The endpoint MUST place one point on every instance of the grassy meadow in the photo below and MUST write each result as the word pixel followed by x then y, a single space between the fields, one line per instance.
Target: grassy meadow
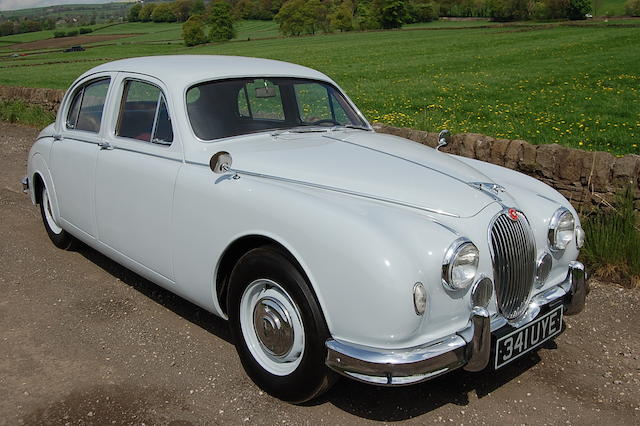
pixel 576 85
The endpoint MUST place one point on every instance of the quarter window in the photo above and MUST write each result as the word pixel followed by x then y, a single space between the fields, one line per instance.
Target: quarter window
pixel 144 114
pixel 87 106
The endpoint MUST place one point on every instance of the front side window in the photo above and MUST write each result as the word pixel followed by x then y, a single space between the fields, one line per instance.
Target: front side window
pixel 224 108
pixel 85 112
pixel 143 114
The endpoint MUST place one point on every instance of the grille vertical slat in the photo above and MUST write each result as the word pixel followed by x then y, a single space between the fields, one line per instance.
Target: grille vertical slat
pixel 513 251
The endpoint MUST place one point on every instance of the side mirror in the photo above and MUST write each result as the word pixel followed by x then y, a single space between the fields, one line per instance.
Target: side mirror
pixel 220 162
pixel 444 139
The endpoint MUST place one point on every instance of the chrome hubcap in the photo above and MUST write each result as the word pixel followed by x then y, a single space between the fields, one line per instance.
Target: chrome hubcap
pixel 273 327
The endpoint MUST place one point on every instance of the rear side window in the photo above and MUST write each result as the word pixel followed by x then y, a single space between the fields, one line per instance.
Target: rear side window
pixel 87 106
pixel 144 114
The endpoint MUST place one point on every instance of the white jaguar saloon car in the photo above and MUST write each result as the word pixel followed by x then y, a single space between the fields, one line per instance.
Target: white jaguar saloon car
pixel 257 190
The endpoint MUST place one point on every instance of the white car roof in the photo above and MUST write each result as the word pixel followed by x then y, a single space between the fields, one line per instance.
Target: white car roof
pixel 188 69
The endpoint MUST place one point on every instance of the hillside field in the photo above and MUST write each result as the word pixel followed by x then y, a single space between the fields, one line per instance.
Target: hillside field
pixel 573 84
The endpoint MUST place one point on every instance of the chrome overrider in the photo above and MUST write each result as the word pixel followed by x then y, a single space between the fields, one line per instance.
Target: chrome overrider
pixel 469 348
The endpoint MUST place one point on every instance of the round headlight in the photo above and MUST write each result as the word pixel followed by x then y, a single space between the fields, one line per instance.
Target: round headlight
pixel 460 265
pixel 579 237
pixel 561 229
pixel 419 299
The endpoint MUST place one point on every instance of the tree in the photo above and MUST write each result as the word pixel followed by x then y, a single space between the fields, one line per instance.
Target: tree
pixel 222 28
pixel 6 28
pixel 198 7
pixel 390 13
pixel 134 13
pixel 163 13
pixel 146 11
pixel 298 17
pixel 632 7
pixel 578 9
pixel 342 17
pixel 193 31
pixel 182 9
pixel 424 11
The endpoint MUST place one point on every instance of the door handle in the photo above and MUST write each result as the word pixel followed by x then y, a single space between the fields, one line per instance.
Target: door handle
pixel 105 145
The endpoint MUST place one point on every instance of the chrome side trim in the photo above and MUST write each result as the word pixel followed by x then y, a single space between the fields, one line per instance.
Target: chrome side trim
pixel 331 188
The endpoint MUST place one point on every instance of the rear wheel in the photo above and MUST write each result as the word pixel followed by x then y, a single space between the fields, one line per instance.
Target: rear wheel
pixel 60 238
pixel 278 327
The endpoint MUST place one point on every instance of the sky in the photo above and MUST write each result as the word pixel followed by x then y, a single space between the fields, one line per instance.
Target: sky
pixel 26 4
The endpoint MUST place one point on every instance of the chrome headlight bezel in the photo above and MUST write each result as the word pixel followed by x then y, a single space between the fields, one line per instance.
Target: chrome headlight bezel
pixel 559 234
pixel 461 246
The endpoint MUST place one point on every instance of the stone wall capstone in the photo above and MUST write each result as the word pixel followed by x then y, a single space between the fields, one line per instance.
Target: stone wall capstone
pixel 589 180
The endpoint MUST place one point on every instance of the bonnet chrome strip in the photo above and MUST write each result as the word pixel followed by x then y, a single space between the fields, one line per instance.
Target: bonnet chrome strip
pixel 333 189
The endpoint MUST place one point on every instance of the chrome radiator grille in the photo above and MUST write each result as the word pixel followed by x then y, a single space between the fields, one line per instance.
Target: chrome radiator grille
pixel 513 254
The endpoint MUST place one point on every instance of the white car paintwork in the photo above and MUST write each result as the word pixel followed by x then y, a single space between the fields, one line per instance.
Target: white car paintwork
pixel 161 212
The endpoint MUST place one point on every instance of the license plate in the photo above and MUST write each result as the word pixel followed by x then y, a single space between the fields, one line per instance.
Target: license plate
pixel 522 340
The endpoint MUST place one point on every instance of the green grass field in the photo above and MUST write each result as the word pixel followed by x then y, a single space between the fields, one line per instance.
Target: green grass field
pixel 573 85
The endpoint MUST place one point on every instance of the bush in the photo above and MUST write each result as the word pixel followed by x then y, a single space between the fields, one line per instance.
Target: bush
pixel 578 9
pixel 85 30
pixel 193 31
pixel 72 33
pixel 632 7
pixel 222 28
pixel 59 34
pixel 612 246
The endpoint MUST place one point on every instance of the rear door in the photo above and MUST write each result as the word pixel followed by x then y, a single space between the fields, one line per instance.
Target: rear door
pixel 136 173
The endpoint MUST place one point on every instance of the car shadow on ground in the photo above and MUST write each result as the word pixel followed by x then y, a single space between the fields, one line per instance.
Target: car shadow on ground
pixel 173 302
pixel 392 404
pixel 366 401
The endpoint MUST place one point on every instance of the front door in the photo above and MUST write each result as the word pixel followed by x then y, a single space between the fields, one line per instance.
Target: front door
pixel 135 177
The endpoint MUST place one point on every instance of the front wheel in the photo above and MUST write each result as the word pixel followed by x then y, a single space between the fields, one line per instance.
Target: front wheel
pixel 278 327
pixel 60 238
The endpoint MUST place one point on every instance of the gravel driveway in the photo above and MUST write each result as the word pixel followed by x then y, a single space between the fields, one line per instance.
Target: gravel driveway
pixel 85 341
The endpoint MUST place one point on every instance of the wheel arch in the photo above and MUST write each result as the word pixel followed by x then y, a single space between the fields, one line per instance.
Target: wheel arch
pixel 238 248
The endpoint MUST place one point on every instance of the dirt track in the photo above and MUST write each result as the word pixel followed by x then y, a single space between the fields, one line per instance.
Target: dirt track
pixel 84 341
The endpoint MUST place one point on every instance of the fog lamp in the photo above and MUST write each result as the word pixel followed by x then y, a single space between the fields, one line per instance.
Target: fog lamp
pixel 419 299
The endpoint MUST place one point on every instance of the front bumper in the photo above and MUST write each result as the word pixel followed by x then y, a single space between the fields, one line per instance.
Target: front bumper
pixel 469 348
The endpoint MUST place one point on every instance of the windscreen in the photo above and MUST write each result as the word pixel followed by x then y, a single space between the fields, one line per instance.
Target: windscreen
pixel 224 108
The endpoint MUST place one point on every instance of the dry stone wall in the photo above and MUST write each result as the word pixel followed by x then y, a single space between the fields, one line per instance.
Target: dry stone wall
pixel 48 99
pixel 588 179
